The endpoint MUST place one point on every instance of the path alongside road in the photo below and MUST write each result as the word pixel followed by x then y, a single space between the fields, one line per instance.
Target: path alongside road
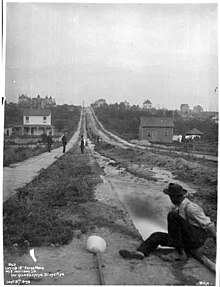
pixel 202 156
pixel 17 175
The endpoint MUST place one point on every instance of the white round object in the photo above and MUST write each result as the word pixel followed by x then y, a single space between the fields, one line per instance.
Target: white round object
pixel 96 244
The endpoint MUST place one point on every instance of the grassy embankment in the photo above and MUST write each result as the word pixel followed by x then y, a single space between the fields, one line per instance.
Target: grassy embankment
pixel 35 214
pixel 59 205
pixel 17 154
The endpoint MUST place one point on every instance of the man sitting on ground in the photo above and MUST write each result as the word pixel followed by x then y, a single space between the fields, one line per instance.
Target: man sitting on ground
pixel 188 228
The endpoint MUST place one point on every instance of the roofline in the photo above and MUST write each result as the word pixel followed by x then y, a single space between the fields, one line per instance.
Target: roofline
pixel 27 111
pixel 40 125
pixel 34 125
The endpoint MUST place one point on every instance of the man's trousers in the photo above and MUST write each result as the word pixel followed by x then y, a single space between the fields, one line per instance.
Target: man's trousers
pixel 181 234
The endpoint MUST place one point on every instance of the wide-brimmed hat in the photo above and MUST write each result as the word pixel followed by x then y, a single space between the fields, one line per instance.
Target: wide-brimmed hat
pixel 175 189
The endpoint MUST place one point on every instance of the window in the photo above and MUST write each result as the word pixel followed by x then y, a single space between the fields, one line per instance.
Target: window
pixel 148 134
pixel 165 134
pixel 27 119
pixel 44 119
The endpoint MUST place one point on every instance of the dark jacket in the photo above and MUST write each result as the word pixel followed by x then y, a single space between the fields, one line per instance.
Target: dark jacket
pixel 49 139
pixel 64 141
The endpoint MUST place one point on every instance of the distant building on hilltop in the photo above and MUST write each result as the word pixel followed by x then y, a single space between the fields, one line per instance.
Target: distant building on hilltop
pixel 49 101
pixel 184 108
pixel 99 103
pixel 24 101
pixel 42 103
pixel 127 105
pixel 156 129
pixel 147 105
pixel 36 103
pixel 198 109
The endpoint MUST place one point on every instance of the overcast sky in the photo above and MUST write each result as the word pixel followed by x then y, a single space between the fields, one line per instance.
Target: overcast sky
pixel 73 52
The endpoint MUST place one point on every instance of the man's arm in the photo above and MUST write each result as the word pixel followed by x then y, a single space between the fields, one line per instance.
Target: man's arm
pixel 196 213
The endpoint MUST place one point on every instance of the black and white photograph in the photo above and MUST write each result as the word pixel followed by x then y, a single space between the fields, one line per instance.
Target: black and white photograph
pixel 110 143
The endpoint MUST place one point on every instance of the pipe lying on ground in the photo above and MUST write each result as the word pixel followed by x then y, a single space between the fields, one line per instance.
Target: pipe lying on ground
pixel 203 259
pixel 97 245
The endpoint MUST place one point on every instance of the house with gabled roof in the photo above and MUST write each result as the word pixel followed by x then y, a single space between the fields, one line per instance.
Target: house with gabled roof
pixel 193 133
pixel 35 122
pixel 156 129
pixel 147 105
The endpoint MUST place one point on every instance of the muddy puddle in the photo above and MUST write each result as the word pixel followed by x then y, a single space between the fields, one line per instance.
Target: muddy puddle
pixel 144 199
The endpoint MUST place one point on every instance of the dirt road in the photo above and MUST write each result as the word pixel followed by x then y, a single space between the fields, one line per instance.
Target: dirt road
pixel 82 192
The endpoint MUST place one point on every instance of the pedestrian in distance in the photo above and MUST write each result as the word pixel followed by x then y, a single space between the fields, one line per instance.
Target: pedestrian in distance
pixel 188 228
pixel 82 144
pixel 49 141
pixel 64 141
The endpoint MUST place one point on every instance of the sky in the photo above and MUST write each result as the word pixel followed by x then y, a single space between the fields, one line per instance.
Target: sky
pixel 167 53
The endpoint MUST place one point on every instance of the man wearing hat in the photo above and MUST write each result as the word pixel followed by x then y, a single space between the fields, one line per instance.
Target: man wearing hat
pixel 188 228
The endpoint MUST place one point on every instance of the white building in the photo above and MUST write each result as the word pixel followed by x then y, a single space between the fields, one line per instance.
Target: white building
pixel 35 123
pixel 100 103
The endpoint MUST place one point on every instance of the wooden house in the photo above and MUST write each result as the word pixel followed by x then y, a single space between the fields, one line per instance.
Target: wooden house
pixel 193 133
pixel 156 129
pixel 36 122
pixel 147 105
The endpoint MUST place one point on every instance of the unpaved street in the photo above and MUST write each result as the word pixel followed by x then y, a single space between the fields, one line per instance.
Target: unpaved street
pixel 117 198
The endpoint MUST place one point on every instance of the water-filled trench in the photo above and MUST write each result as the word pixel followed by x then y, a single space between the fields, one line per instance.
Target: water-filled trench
pixel 144 199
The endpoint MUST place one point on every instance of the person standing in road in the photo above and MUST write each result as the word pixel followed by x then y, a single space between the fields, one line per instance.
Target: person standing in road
pixel 188 228
pixel 49 141
pixel 64 142
pixel 82 144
